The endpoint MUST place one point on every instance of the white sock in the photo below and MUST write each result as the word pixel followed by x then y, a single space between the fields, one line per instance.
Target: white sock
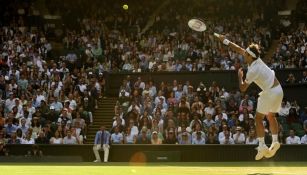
pixel 261 141
pixel 275 138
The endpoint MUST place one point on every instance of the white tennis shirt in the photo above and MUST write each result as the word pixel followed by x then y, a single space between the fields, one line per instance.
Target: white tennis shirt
pixel 261 74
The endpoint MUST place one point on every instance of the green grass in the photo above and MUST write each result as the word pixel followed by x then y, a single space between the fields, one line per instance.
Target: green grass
pixel 182 168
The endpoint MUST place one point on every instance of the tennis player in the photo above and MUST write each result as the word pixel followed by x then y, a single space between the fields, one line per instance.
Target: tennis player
pixel 269 100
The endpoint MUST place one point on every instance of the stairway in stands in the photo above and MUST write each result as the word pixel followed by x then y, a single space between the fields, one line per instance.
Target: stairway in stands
pixel 102 116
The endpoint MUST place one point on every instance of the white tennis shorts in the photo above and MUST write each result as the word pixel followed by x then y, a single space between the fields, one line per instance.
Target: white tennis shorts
pixel 270 100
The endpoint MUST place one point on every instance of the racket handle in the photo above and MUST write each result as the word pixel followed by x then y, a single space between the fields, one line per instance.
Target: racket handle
pixel 216 34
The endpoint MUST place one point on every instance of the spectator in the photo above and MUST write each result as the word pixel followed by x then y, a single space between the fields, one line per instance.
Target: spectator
pixel 14 139
pixel 245 115
pixel 129 137
pixel 23 126
pixel 304 137
pixel 246 103
pixel 198 128
pixel 199 140
pixel 41 139
pixel 102 143
pixel 220 115
pixel 155 140
pixel 284 110
pixel 78 132
pixel 184 138
pixel 57 139
pixel 304 78
pixel 117 137
pixel 221 136
pixel 69 138
pixel 10 127
pixel 239 137
pixel 134 129
pixel 143 137
pixel 291 79
pixel 251 139
pixel 227 139
pixel 28 138
pixel 293 139
pixel 208 122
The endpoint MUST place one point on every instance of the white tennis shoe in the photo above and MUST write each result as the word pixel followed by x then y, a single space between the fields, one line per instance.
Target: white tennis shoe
pixel 273 149
pixel 263 151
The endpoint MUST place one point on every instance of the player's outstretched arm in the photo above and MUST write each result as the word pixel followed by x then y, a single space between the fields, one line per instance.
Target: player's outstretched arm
pixel 232 45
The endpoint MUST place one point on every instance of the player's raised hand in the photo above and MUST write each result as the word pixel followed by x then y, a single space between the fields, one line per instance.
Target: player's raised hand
pixel 219 36
pixel 240 73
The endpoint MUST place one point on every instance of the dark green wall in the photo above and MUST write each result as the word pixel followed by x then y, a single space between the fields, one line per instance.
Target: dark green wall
pixel 160 153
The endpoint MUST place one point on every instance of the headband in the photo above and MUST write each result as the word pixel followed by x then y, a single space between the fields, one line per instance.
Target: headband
pixel 251 53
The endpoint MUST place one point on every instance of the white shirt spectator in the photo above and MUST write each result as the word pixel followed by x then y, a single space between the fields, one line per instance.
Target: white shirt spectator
pixel 117 138
pixel 71 140
pixel 209 110
pixel 124 93
pixel 207 123
pixel 115 123
pixel 241 117
pixel 82 87
pixel 73 104
pixel 224 117
pixel 253 141
pixel 134 131
pixel 239 138
pixel 284 111
pixel 194 135
pixel 195 141
pixel 59 85
pixel 293 140
pixel 39 98
pixel 130 138
pixel 227 141
pixel 157 99
pixel 304 139
pixel 221 136
pixel 58 106
pixel 9 104
pixel 26 141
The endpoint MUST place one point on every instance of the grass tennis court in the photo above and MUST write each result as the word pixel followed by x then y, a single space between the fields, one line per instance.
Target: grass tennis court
pixel 182 168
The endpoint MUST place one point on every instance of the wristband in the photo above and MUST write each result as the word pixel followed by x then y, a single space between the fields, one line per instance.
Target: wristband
pixel 226 42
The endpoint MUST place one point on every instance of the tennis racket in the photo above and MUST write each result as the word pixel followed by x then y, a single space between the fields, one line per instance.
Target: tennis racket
pixel 199 25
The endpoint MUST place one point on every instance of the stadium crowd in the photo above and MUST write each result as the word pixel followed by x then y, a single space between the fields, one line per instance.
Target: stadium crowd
pixel 42 100
pixel 168 45
pixel 178 113
pixel 47 99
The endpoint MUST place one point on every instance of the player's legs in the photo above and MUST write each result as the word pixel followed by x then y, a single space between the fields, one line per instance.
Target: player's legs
pixel 276 96
pixel 262 148
pixel 259 124
pixel 273 124
pixel 274 130
pixel 262 110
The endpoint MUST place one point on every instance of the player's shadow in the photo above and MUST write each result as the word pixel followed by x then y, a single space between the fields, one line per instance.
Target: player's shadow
pixel 260 174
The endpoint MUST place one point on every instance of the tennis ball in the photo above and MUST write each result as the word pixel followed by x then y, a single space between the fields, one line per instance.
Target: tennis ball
pixel 125 7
